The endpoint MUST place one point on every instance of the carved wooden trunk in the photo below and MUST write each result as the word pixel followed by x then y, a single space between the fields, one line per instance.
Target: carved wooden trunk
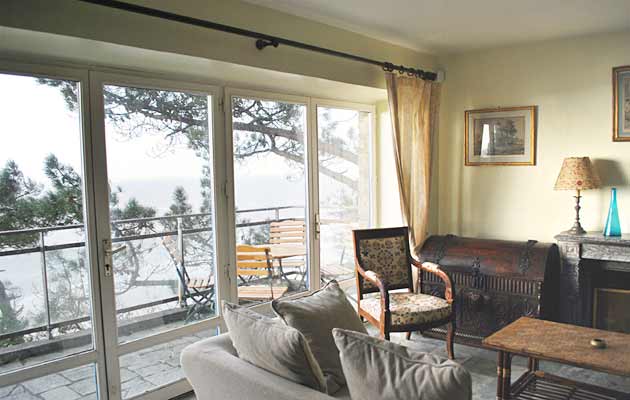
pixel 496 282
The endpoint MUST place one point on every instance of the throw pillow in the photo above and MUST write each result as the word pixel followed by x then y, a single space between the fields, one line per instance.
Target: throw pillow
pixel 381 370
pixel 315 316
pixel 272 346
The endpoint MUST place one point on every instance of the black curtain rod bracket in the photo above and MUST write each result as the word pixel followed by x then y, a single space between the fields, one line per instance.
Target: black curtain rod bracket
pixel 262 40
pixel 262 43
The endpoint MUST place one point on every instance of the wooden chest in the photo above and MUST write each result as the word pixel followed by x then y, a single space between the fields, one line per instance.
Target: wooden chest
pixel 496 282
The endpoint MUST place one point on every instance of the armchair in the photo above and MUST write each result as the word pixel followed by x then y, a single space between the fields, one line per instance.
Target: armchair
pixel 383 264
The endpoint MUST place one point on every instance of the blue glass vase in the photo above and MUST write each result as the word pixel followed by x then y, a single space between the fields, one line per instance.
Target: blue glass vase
pixel 613 227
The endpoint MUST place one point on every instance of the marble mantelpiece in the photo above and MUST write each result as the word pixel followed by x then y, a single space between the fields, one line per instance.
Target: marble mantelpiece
pixel 583 258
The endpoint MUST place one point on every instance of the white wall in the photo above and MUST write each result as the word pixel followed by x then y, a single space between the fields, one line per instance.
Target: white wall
pixel 570 82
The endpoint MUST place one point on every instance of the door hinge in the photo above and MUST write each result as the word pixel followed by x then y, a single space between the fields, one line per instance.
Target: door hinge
pixel 224 189
pixel 227 274
pixel 317 225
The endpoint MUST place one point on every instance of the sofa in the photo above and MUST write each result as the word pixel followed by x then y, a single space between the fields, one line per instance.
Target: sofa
pixel 216 372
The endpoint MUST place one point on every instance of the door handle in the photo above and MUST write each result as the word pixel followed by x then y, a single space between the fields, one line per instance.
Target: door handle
pixel 108 253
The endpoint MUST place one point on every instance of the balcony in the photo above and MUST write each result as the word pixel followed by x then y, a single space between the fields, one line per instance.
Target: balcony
pixel 149 300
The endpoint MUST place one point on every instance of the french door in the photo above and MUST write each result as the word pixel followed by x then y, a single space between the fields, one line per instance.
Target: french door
pixel 344 182
pixel 112 228
pixel 51 319
pixel 160 216
pixel 123 202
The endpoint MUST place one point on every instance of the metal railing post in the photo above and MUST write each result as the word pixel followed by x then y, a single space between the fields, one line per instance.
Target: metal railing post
pixel 180 250
pixel 277 213
pixel 42 246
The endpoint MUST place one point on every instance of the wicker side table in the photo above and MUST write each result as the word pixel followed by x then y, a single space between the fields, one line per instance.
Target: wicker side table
pixel 562 343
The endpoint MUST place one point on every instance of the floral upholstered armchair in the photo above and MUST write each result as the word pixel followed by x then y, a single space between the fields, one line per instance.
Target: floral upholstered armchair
pixel 383 263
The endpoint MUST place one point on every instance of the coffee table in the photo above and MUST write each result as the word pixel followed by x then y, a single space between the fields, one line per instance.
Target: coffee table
pixel 562 343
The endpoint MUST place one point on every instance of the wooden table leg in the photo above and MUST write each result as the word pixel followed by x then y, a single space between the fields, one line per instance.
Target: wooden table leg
pixel 500 375
pixel 532 364
pixel 507 374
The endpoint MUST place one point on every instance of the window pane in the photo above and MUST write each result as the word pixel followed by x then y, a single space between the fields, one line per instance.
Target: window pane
pixel 159 165
pixel 270 186
pixel 344 186
pixel 44 269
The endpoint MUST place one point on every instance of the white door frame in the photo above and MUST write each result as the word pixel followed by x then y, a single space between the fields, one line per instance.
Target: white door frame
pixel 96 195
pixel 230 190
pixel 319 102
pixel 97 354
pixel 113 349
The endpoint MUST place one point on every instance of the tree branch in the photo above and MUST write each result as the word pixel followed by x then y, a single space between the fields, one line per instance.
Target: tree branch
pixel 351 183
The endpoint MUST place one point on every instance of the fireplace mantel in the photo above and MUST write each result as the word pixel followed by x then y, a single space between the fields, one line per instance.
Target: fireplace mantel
pixel 583 257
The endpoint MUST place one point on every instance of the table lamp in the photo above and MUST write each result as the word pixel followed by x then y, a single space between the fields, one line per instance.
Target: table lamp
pixel 577 173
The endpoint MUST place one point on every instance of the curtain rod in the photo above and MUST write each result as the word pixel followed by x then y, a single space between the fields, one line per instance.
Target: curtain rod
pixel 262 40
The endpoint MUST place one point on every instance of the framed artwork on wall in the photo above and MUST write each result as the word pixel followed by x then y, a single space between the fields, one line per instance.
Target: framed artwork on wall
pixel 500 136
pixel 621 104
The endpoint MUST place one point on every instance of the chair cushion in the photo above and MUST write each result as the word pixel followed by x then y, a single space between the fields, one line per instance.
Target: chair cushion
pixel 388 258
pixel 382 370
pixel 271 345
pixel 408 308
pixel 315 316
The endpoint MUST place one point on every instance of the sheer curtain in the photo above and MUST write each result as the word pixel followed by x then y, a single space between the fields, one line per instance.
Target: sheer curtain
pixel 414 108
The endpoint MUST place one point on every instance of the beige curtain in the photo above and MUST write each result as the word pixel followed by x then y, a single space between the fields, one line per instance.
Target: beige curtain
pixel 414 108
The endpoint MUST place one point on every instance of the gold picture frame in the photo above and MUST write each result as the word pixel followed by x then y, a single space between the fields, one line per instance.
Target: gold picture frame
pixel 500 136
pixel 621 103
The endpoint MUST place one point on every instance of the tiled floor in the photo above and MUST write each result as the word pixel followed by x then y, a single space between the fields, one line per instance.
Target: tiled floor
pixel 144 370
pixel 140 371
pixel 482 366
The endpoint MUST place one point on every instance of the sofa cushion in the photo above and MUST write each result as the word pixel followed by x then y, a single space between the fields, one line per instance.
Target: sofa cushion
pixel 271 345
pixel 315 316
pixel 381 370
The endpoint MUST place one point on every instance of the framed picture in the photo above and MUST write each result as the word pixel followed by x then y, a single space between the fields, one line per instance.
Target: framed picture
pixel 501 136
pixel 621 104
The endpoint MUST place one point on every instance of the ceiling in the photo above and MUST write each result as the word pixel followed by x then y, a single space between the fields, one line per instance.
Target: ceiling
pixel 450 26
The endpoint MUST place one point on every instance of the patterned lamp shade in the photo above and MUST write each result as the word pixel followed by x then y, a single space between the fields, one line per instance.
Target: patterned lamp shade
pixel 577 173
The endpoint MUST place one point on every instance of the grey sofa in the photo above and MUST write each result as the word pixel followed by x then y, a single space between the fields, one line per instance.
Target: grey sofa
pixel 215 372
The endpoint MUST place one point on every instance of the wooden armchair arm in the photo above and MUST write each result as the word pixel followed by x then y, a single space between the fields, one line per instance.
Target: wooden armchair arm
pixel 377 281
pixel 435 269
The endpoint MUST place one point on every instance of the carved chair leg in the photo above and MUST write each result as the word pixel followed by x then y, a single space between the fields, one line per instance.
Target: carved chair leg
pixel 450 335
pixel 408 335
pixel 384 332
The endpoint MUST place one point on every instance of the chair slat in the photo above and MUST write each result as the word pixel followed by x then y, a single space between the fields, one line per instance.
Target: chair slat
pixel 252 272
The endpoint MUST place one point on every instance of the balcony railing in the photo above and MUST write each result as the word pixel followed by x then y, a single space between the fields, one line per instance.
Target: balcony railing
pixel 179 231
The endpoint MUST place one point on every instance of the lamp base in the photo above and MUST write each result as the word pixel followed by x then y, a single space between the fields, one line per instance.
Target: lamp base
pixel 576 229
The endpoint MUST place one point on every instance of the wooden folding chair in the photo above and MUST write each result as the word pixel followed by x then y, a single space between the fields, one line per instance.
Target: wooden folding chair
pixel 290 232
pixel 253 264
pixel 199 290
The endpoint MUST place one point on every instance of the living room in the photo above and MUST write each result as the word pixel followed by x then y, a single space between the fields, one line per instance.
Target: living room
pixel 189 167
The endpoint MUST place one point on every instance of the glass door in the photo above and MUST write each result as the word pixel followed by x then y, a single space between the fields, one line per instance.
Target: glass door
pixel 269 152
pixel 51 342
pixel 159 218
pixel 344 160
